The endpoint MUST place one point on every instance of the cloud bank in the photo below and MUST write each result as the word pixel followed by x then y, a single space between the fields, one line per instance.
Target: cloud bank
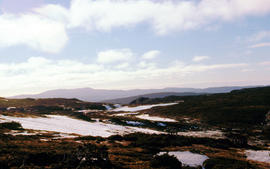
pixel 38 73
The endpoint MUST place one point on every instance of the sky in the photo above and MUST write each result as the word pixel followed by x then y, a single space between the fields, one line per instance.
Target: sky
pixel 132 44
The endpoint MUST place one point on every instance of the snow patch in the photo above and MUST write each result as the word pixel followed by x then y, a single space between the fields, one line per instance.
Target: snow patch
pixel 125 114
pixel 25 133
pixel 155 118
pixel 3 120
pixel 64 124
pixel 208 133
pixel 261 155
pixel 187 158
pixel 108 107
pixel 144 107
pixel 117 105
pixel 63 135
pixel 88 111
pixel 11 108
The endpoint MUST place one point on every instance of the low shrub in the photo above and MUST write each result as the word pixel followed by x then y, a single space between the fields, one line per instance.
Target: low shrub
pixel 115 138
pixel 11 125
pixel 156 141
pixel 165 161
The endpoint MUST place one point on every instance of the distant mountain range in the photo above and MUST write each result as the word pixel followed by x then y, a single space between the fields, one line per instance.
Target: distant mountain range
pixel 125 96
pixel 127 100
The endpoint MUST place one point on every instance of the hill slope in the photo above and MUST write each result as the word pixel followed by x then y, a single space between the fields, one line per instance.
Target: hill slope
pixel 239 108
pixel 127 100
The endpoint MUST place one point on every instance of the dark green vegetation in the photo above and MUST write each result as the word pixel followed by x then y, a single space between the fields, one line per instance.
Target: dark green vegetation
pixel 11 126
pixel 169 127
pixel 39 107
pixel 29 152
pixel 161 93
pixel 130 151
pixel 146 100
pixel 238 109
pixel 223 163
pixel 165 161
pixel 47 105
pixel 141 100
pixel 150 141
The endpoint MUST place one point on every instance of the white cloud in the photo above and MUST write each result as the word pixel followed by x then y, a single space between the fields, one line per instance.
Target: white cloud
pixel 54 12
pixel 151 54
pixel 45 28
pixel 164 16
pixel 259 45
pixel 34 74
pixel 114 56
pixel 200 58
pixel 144 64
pixel 33 31
pixel 124 57
pixel 122 66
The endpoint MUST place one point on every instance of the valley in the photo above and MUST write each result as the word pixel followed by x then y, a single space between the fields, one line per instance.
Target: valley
pixel 209 131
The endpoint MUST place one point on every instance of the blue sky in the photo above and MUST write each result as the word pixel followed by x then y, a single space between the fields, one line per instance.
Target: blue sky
pixel 128 44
